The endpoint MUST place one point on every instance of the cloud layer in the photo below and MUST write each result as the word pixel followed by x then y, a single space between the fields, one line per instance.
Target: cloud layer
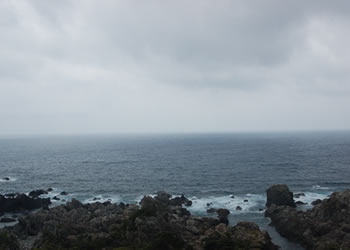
pixel 173 66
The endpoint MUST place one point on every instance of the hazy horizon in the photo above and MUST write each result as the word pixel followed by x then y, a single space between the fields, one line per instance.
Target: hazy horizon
pixel 162 67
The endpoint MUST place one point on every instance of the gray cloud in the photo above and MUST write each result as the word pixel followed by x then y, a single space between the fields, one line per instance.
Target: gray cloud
pixel 162 66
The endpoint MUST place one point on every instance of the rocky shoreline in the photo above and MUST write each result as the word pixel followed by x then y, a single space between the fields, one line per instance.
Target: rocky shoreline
pixel 159 222
pixel 163 222
pixel 324 227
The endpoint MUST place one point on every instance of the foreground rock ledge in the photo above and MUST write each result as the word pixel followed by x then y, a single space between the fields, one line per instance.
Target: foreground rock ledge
pixel 326 226
pixel 160 223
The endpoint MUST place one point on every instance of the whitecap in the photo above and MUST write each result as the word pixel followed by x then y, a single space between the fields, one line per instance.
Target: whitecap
pixel 318 187
pixel 101 198
pixel 7 179
pixel 250 203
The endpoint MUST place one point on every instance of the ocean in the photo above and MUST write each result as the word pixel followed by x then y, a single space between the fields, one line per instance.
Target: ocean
pixel 222 170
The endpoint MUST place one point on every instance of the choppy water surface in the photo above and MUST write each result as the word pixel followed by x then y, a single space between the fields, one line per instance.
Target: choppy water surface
pixel 207 168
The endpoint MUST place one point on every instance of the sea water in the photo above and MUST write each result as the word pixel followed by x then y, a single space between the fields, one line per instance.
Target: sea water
pixel 213 170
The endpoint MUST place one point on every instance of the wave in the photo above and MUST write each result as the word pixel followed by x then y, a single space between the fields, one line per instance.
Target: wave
pixel 318 187
pixel 312 196
pixel 101 198
pixel 250 203
pixel 7 179
pixel 107 162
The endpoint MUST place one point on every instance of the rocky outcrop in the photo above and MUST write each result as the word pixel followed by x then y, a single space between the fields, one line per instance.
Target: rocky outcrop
pixel 20 203
pixel 37 193
pixel 326 226
pixel 279 195
pixel 155 224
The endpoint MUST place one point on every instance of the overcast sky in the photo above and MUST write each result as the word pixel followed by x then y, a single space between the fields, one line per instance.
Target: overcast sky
pixel 173 66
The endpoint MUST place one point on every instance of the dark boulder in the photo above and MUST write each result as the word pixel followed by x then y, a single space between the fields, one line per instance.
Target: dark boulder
pixel 64 193
pixel 22 202
pixel 238 208
pixel 298 195
pixel 56 198
pixel 49 190
pixel 6 178
pixel 300 203
pixel 211 210
pixel 37 193
pixel 325 226
pixel 280 196
pixel 222 215
pixel 182 200
pixel 316 202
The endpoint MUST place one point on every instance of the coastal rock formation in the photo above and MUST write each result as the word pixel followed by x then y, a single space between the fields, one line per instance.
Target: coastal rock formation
pixel 155 224
pixel 326 226
pixel 20 202
pixel 280 196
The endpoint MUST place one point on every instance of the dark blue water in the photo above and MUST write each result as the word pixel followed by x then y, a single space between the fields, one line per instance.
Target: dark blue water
pixel 207 168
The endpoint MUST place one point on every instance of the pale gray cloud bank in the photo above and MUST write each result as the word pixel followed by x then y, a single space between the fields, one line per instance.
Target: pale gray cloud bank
pixel 94 66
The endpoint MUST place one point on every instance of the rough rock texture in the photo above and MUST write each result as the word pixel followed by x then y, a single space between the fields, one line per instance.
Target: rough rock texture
pixel 21 202
pixel 326 226
pixel 279 195
pixel 156 224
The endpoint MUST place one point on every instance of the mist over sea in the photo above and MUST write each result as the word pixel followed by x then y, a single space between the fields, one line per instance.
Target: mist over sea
pixel 223 170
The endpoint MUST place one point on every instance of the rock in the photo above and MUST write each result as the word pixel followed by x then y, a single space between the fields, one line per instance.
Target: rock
pixel 63 193
pixel 7 220
pixel 211 210
pixel 49 189
pixel 316 202
pixel 178 201
pixel 261 209
pixel 298 195
pixel 6 178
pixel 325 226
pixel 37 193
pixel 232 196
pixel 156 224
pixel 245 201
pixel 163 196
pixel 279 195
pixel 21 202
pixel 209 204
pixel 300 203
pixel 56 198
pixel 222 214
pixel 238 208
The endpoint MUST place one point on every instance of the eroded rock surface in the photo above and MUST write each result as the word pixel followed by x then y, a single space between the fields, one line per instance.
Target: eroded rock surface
pixel 155 224
pixel 325 226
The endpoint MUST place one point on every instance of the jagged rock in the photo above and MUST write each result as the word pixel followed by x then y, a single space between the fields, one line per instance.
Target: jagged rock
pixel 21 202
pixel 49 189
pixel 182 200
pixel 211 210
pixel 316 202
pixel 63 193
pixel 56 198
pixel 279 195
pixel 325 226
pixel 245 201
pixel 298 195
pixel 300 203
pixel 156 224
pixel 238 208
pixel 37 193
pixel 222 214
